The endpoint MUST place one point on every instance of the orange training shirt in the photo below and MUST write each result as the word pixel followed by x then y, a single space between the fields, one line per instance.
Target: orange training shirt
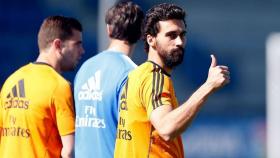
pixel 147 88
pixel 36 110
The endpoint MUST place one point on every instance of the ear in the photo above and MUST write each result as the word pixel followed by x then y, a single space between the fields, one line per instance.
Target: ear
pixel 57 44
pixel 109 29
pixel 151 40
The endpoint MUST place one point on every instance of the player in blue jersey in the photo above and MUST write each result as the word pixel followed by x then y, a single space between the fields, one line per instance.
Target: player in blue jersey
pixel 99 81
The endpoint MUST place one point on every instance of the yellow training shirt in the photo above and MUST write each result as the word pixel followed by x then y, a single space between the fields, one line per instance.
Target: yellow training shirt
pixel 36 109
pixel 147 88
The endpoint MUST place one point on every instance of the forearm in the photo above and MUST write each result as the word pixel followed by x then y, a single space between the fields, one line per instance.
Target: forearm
pixel 172 122
pixel 68 146
pixel 176 121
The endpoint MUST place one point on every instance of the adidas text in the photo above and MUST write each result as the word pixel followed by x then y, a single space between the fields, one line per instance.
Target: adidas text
pixel 87 95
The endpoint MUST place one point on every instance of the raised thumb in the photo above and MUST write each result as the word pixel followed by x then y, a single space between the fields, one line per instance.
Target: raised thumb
pixel 214 61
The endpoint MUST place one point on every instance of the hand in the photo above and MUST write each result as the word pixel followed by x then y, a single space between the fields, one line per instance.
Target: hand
pixel 218 75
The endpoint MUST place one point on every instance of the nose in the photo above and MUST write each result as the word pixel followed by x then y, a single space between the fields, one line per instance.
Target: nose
pixel 179 41
pixel 82 50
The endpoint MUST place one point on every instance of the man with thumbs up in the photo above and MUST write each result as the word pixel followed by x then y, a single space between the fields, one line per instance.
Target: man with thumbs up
pixel 150 120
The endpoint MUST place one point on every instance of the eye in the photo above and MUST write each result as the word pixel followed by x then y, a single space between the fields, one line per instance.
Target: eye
pixel 183 34
pixel 172 35
pixel 79 43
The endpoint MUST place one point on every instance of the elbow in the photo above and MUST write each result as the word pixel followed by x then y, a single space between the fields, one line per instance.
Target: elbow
pixel 165 135
pixel 66 153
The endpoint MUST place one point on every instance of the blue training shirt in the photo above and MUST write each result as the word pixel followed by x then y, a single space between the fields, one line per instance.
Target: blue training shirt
pixel 97 86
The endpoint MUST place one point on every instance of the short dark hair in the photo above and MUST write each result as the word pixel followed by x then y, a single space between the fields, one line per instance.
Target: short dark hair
pixel 57 27
pixel 125 19
pixel 161 12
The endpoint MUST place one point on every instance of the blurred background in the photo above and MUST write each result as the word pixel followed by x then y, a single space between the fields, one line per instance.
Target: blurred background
pixel 232 123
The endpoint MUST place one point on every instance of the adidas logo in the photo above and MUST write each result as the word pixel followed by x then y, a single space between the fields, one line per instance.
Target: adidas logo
pixel 16 98
pixel 91 89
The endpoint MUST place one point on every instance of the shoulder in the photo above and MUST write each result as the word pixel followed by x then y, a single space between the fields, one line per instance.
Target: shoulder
pixel 62 87
pixel 149 72
pixel 16 75
pixel 144 69
pixel 51 78
pixel 118 60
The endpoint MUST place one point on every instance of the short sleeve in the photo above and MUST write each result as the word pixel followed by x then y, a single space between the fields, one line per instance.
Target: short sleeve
pixel 64 109
pixel 156 91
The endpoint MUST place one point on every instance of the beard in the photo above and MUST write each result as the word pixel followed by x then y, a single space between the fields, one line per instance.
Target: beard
pixel 67 67
pixel 173 57
pixel 68 63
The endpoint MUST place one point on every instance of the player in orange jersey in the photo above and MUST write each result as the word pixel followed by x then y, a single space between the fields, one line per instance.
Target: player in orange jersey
pixel 36 114
pixel 151 122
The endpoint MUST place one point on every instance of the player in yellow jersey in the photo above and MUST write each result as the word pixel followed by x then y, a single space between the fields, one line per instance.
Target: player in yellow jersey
pixel 36 113
pixel 150 120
